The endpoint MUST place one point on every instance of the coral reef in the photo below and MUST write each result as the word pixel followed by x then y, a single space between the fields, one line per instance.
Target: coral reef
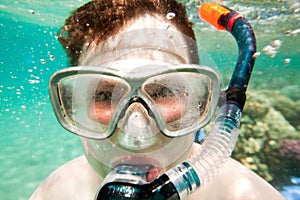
pixel 269 136
pixel 288 107
pixel 290 149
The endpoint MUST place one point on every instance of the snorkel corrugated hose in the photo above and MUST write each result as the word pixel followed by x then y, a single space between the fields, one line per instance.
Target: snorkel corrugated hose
pixel 185 178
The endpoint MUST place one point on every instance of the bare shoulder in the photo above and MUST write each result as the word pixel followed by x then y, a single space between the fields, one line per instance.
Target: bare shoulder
pixel 73 180
pixel 77 180
pixel 234 182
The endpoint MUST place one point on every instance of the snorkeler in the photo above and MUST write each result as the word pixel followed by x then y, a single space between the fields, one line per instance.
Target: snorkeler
pixel 136 96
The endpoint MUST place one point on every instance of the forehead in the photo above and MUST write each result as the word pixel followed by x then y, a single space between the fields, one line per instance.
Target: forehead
pixel 148 21
pixel 148 37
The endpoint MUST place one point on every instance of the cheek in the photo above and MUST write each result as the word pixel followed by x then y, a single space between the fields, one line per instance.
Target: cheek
pixel 171 109
pixel 101 112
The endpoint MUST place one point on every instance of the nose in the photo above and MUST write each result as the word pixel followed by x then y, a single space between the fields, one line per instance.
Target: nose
pixel 137 117
pixel 137 129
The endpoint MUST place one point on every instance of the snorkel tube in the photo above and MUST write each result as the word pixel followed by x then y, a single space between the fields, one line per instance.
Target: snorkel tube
pixel 198 170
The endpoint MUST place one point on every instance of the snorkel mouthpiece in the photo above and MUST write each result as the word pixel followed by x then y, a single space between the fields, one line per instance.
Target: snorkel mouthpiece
pixel 158 189
pixel 198 170
pixel 130 182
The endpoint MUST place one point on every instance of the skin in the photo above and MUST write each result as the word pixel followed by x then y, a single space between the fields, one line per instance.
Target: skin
pixel 78 180
pixel 133 134
pixel 232 182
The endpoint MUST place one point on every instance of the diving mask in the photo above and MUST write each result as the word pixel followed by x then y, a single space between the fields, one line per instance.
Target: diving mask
pixel 92 101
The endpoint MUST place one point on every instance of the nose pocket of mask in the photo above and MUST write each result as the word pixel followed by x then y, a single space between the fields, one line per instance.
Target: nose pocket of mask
pixel 136 129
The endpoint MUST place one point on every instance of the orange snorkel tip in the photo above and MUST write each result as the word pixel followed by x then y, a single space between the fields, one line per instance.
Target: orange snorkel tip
pixel 212 13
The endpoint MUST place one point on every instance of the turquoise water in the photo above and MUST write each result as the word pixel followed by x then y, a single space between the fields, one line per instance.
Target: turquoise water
pixel 31 141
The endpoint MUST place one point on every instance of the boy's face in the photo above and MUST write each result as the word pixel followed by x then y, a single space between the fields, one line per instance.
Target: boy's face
pixel 148 41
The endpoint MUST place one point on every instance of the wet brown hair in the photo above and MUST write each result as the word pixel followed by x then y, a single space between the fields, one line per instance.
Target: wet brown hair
pixel 98 20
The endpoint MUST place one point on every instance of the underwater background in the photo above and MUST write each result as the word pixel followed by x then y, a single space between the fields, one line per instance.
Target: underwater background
pixel 33 144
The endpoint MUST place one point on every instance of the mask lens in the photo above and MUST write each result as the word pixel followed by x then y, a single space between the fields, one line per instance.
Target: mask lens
pixel 180 99
pixel 89 101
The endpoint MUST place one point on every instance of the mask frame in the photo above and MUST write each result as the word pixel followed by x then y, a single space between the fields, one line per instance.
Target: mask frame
pixel 134 78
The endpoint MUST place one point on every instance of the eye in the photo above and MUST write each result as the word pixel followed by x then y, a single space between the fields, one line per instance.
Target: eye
pixel 105 97
pixel 108 90
pixel 157 91
pixel 169 101
pixel 102 96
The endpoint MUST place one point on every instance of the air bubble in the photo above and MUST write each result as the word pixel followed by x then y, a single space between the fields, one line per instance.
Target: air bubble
pixel 170 15
pixel 33 81
pixel 33 76
pixel 31 11
pixel 199 105
pixel 287 61
pixel 43 61
pixel 256 54
pixel 276 43
pixel 52 57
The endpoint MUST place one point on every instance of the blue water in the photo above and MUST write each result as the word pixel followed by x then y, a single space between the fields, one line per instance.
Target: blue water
pixel 32 144
pixel 31 141
pixel 292 192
